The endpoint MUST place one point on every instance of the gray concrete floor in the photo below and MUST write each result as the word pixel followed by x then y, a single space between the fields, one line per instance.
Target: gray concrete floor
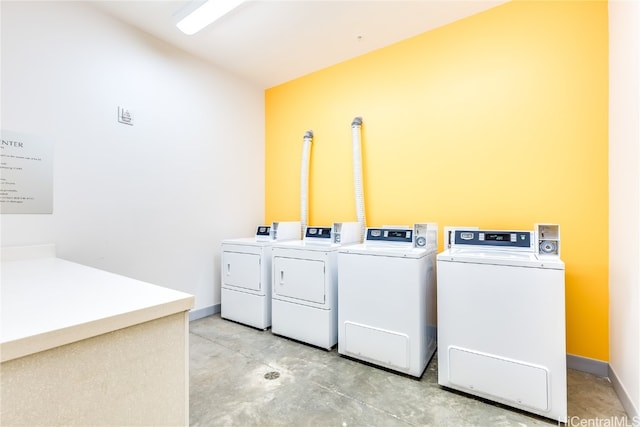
pixel 228 363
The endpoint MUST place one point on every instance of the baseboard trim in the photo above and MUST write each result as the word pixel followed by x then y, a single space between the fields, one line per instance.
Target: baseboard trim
pixel 204 312
pixel 585 364
pixel 623 395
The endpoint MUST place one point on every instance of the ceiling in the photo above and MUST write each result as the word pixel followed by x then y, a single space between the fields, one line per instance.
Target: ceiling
pixel 270 42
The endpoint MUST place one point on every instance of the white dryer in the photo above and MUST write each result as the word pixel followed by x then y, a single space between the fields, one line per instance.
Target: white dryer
pixel 305 282
pixel 246 274
pixel 501 319
pixel 387 298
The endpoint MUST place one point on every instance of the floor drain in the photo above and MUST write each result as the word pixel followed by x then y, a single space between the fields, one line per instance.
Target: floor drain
pixel 272 375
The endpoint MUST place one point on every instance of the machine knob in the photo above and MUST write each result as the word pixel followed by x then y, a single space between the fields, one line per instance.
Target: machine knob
pixel 421 242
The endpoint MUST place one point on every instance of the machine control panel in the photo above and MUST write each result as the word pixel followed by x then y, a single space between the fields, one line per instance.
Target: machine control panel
pixel 318 233
pixel 263 232
pixel 511 239
pixel 389 235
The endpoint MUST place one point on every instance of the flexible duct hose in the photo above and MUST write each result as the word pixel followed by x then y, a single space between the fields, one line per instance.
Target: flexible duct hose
pixel 304 180
pixel 356 125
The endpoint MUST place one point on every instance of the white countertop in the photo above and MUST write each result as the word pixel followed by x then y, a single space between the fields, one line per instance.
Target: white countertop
pixel 47 302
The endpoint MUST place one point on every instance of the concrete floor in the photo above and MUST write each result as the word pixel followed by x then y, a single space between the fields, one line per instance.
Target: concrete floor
pixel 315 387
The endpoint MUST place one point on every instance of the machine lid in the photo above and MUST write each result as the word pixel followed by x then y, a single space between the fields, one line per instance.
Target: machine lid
pixel 306 245
pixel 248 241
pixel 382 250
pixel 499 257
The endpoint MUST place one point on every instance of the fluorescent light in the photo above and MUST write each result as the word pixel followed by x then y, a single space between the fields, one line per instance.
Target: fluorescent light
pixel 210 11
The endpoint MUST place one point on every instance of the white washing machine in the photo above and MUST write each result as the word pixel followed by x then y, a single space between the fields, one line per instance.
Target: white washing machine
pixel 387 298
pixel 246 274
pixel 305 284
pixel 501 319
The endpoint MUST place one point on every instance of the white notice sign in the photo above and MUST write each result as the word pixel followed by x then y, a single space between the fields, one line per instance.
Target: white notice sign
pixel 26 174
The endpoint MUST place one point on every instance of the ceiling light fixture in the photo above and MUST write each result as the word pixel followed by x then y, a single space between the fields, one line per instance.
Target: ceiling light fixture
pixel 210 11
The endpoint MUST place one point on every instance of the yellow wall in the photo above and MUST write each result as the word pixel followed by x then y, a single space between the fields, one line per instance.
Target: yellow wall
pixel 498 120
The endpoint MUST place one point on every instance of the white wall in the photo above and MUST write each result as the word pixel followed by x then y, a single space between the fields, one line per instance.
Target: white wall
pixel 624 201
pixel 152 201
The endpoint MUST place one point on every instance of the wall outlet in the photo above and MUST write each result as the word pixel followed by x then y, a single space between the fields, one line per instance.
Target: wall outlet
pixel 125 116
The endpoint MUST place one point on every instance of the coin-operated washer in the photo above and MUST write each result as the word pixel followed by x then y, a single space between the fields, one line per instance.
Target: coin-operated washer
pixel 246 274
pixel 387 298
pixel 501 317
pixel 305 284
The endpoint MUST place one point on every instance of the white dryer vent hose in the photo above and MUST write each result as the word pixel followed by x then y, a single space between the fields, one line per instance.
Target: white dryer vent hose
pixel 304 180
pixel 356 139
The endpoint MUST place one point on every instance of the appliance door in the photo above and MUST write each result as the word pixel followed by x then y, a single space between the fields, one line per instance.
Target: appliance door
pixel 305 276
pixel 242 268
pixel 300 276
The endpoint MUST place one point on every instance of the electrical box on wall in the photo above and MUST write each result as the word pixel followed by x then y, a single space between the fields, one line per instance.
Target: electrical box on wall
pixel 125 116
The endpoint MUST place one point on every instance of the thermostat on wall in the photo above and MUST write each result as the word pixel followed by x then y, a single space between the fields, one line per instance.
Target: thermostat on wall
pixel 125 116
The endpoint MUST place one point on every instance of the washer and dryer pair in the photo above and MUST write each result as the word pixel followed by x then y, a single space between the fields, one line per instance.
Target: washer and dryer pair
pixel 277 280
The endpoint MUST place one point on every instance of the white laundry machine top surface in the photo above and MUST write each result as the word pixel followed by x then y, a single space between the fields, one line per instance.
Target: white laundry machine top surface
pixel 500 257
pixel 259 240
pixel 382 250
pixel 267 235
pixel 249 241
pixel 311 246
